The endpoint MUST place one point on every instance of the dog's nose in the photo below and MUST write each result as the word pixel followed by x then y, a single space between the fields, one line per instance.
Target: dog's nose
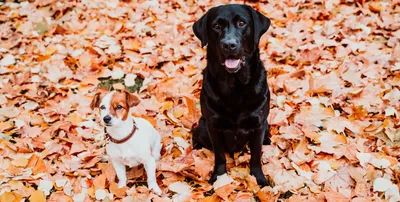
pixel 229 45
pixel 107 119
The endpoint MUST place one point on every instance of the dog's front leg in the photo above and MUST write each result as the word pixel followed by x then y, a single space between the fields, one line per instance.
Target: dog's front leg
pixel 219 153
pixel 150 167
pixel 120 170
pixel 256 141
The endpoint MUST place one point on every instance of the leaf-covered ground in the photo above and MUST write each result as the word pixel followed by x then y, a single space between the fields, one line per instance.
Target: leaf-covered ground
pixel 333 69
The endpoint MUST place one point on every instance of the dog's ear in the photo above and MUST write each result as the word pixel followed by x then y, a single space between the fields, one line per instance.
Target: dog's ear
pixel 260 24
pixel 131 99
pixel 96 101
pixel 200 29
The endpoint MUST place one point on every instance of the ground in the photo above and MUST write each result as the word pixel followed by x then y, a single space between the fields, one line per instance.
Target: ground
pixel 333 70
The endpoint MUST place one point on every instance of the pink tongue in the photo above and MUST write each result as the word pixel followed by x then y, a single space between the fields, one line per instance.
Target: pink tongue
pixel 232 63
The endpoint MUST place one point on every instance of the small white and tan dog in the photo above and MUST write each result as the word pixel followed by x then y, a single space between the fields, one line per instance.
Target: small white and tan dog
pixel 132 141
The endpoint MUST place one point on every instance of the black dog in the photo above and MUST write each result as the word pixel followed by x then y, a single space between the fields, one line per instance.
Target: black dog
pixel 235 96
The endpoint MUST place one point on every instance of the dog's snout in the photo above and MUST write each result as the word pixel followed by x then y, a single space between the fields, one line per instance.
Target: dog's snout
pixel 107 119
pixel 229 44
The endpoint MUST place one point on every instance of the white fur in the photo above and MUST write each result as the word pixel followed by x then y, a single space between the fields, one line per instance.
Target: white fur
pixel 143 148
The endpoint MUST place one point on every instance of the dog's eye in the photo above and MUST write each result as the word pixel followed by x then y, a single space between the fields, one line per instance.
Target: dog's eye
pixel 119 107
pixel 216 26
pixel 241 23
pixel 102 107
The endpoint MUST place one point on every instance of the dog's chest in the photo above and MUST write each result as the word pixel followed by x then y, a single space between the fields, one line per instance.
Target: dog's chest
pixel 126 154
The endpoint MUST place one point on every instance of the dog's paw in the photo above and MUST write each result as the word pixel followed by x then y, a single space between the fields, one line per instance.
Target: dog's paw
pixel 121 184
pixel 217 172
pixel 261 180
pixel 156 189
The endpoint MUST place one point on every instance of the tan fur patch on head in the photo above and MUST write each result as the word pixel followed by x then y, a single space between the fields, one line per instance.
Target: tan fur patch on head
pixel 119 105
pixel 132 100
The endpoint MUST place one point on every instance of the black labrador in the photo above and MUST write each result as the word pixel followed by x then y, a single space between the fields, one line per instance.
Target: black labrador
pixel 235 96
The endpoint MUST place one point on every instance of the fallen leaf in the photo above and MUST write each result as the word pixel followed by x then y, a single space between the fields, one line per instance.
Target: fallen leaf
pixel 37 196
pixel 20 162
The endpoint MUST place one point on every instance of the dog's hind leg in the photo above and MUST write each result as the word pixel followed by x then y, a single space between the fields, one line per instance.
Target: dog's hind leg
pixel 150 167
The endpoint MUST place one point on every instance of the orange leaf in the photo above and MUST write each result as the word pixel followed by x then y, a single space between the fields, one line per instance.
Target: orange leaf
pixel 99 182
pixel 7 197
pixel 6 126
pixel 118 192
pixel 110 173
pixel 341 138
pixel 40 167
pixel 32 161
pixel 266 195
pixel 20 162
pixel 59 196
pixel 92 162
pixel 252 184
pixel 75 119
pixel 243 197
pixel 212 198
pixel 37 196
pixel 191 106
pixel 225 191
pixel 43 58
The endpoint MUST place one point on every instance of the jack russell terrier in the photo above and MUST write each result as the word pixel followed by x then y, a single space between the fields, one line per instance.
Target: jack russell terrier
pixel 132 141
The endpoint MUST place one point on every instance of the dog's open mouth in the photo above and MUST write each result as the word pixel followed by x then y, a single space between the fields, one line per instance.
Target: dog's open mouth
pixel 232 64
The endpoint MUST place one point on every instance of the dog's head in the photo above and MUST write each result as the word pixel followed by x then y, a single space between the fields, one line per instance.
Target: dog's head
pixel 232 32
pixel 114 107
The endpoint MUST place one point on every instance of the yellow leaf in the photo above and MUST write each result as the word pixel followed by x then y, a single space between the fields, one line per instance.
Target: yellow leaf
pixel 131 44
pixel 7 197
pixel 334 164
pixel 37 196
pixel 375 7
pixel 341 138
pixel 177 132
pixel 178 113
pixel 176 152
pixel 20 162
pixel 50 50
pixel 167 105
pixel 6 126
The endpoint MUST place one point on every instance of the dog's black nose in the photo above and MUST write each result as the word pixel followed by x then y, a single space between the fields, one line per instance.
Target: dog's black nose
pixel 107 119
pixel 229 45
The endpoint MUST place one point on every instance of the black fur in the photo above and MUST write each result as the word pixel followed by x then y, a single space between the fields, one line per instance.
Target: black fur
pixel 234 104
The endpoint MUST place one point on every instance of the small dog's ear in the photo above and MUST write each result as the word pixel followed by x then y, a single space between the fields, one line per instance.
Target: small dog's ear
pixel 200 29
pixel 96 101
pixel 260 24
pixel 131 99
